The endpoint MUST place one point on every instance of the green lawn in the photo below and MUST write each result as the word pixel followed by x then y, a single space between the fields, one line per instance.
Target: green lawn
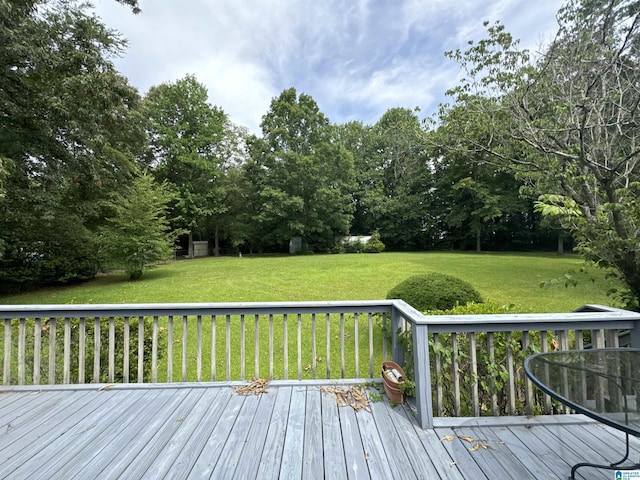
pixel 505 278
pixel 501 278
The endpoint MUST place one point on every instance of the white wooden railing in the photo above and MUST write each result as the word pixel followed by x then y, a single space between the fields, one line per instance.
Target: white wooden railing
pixel 462 365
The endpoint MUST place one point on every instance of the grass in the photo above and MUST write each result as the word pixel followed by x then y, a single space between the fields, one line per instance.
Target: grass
pixel 505 278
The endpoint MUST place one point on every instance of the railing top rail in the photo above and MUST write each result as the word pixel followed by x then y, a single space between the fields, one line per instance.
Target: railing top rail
pixel 586 317
pixel 164 309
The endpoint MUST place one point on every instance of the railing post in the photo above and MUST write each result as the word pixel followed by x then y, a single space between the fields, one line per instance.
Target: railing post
pixel 397 352
pixel 422 373
pixel 634 335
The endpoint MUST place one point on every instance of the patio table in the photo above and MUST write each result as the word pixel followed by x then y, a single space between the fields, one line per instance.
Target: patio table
pixel 603 384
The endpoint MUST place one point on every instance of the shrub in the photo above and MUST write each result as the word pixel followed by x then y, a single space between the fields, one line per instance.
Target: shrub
pixel 355 246
pixel 374 245
pixel 435 291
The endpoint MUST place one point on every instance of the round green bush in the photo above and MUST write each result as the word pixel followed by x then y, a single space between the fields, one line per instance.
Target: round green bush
pixel 435 291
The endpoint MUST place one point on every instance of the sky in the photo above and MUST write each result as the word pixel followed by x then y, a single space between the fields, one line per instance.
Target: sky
pixel 356 58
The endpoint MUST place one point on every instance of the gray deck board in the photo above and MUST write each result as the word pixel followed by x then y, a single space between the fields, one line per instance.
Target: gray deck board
pixel 293 431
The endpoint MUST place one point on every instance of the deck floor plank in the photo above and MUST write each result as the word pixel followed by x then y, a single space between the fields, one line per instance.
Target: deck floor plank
pixel 271 457
pixel 354 451
pixel 232 451
pixel 210 453
pixel 334 456
pixel 313 455
pixel 256 439
pixel 293 431
pixel 291 466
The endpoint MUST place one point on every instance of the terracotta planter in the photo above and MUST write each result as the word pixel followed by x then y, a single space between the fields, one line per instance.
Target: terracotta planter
pixel 391 386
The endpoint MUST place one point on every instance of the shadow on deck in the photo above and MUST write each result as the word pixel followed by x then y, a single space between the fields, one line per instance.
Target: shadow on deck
pixel 293 431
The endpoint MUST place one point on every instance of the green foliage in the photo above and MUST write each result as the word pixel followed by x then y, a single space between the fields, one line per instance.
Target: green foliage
pixel 435 291
pixel 138 234
pixel 354 246
pixel 299 180
pixel 374 245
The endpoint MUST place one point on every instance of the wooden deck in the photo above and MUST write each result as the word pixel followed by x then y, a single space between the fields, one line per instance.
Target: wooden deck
pixel 293 431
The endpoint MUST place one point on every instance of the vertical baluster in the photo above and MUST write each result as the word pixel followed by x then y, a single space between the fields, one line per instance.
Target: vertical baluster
pixel 438 377
pixel 313 345
pixel 185 347
pixel 214 369
pixel 327 322
pixel 511 388
pixel 228 346
pixel 456 375
pixel 112 349
pixel 286 346
pixel 256 345
pixel 598 339
pixel 66 364
pixel 6 369
pixel 125 350
pixel 370 318
pixel 612 340
pixel 473 360
pixel 528 386
pixel 199 348
pixel 356 344
pixel 492 381
pixel 170 348
pixel 342 345
pixel 544 347
pixel 82 349
pixel 96 349
pixel 22 337
pixel 242 347
pixel 270 345
pixel 37 349
pixel 579 343
pixel 154 350
pixel 141 349
pixel 52 351
pixel 299 345
pixel 385 355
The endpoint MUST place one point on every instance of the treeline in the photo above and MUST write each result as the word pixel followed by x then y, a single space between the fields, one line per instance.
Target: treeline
pixel 93 175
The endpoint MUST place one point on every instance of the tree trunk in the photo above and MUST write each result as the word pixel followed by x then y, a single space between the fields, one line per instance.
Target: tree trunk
pixel 190 255
pixel 478 243
pixel 560 245
pixel 216 244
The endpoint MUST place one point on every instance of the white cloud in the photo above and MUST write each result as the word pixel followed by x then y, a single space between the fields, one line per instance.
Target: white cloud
pixel 356 59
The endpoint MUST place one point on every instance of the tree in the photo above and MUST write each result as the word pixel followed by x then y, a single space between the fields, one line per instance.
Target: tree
pixel 403 210
pixel 189 147
pixel 69 133
pixel 301 177
pixel 137 235
pixel 577 107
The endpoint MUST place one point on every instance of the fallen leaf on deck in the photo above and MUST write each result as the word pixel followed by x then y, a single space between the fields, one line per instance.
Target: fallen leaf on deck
pixel 257 386
pixel 107 386
pixel 349 397
pixel 448 438
pixel 465 438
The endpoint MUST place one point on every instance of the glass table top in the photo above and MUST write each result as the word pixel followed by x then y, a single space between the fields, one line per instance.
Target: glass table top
pixel 603 384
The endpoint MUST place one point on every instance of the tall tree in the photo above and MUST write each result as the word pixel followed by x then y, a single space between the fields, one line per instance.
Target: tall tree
pixel 403 214
pixel 577 105
pixel 302 177
pixel 69 132
pixel 189 147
